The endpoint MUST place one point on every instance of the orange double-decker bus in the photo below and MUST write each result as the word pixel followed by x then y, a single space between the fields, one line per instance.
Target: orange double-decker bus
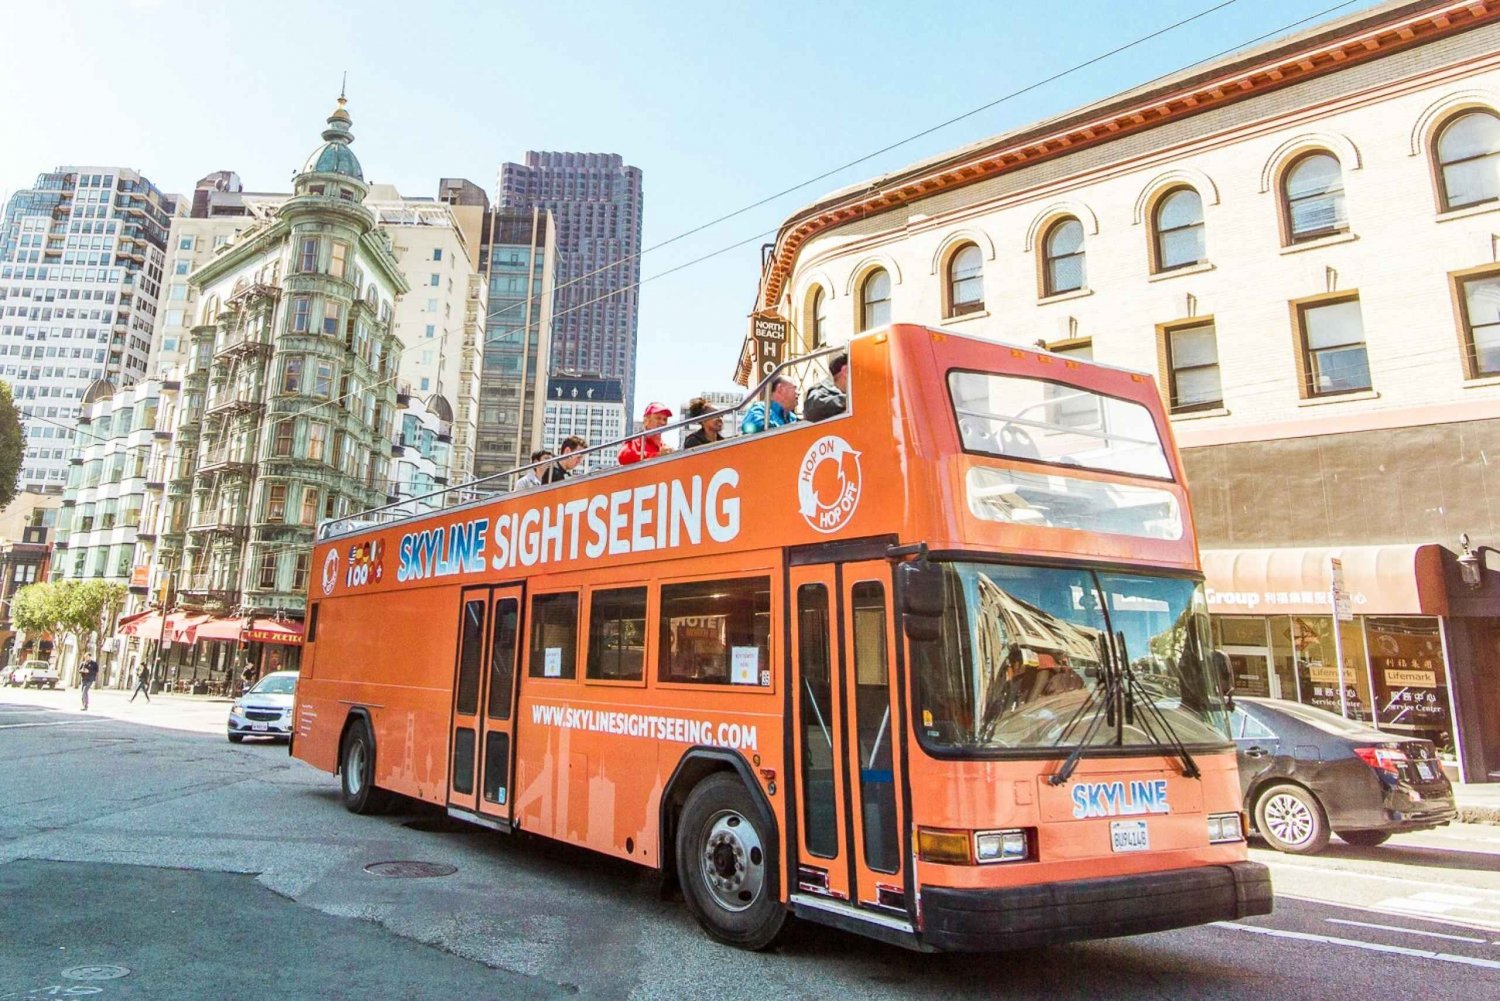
pixel 935 670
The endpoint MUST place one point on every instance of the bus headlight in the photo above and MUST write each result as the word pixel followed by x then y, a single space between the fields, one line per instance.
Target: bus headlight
pixel 1000 846
pixel 1223 827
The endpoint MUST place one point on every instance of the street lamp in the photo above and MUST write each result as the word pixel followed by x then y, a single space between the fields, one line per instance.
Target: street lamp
pixel 1469 570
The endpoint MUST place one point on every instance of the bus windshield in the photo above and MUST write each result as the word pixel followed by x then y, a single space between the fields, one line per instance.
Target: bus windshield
pixel 1022 659
pixel 1020 418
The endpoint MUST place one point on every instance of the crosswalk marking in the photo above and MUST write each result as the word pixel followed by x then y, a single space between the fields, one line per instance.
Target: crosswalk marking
pixel 1404 931
pixel 1398 950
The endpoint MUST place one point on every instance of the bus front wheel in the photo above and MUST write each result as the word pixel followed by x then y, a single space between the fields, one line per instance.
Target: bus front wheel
pixel 726 864
pixel 357 771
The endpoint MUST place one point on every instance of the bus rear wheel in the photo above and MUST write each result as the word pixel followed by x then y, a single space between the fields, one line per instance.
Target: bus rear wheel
pixel 357 771
pixel 727 864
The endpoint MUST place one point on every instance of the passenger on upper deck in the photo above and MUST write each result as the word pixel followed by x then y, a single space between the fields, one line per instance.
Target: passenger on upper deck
pixel 783 403
pixel 570 454
pixel 647 446
pixel 829 399
pixel 533 476
pixel 710 429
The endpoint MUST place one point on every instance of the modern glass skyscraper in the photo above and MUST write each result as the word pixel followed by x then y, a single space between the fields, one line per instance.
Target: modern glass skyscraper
pixel 595 200
pixel 80 277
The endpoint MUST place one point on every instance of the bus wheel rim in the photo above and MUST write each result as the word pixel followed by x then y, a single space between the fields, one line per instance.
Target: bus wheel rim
pixel 733 861
pixel 354 767
pixel 1289 819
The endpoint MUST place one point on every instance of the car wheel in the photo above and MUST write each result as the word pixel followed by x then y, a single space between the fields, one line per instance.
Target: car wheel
pixel 236 738
pixel 727 864
pixel 1292 820
pixel 357 772
pixel 1365 839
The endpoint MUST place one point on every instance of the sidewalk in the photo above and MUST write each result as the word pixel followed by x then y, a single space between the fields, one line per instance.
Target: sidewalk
pixel 191 713
pixel 1478 803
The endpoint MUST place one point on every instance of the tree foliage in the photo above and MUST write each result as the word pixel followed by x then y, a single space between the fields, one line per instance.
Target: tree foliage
pixel 83 609
pixel 12 444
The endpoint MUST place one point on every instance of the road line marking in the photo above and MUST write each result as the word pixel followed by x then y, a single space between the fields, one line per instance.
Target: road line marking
pixel 1475 925
pixel 65 722
pixel 1398 950
pixel 1351 874
pixel 1404 931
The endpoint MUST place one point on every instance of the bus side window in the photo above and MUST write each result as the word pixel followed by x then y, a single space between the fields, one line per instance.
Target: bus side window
pixel 716 632
pixel 617 635
pixel 502 657
pixel 554 635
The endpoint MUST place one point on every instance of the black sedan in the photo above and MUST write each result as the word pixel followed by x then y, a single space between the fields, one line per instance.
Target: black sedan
pixel 1305 773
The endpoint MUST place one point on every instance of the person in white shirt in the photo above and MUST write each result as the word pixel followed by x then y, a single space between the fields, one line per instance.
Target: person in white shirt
pixel 533 477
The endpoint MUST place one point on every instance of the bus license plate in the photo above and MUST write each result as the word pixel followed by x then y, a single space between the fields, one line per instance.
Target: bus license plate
pixel 1128 836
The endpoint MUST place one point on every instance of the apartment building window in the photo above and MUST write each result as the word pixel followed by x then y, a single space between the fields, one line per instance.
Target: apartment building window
pixel 431 330
pixel 301 314
pixel 333 317
pixel 323 380
pixel 1193 367
pixel 291 374
pixel 434 279
pixel 437 253
pixel 338 261
pixel 1479 304
pixel 1312 191
pixel 317 440
pixel 307 257
pixel 875 300
pixel 1468 155
pixel 819 315
pixel 276 503
pixel 1063 268
pixel 266 578
pixel 1178 226
pixel 299 575
pixel 1333 347
pixel 965 281
pixel 309 505
pixel 282 445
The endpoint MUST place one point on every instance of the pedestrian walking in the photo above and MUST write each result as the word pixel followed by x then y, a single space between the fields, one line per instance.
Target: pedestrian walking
pixel 88 673
pixel 142 681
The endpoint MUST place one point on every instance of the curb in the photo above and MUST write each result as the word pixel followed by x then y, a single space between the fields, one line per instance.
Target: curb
pixel 1478 814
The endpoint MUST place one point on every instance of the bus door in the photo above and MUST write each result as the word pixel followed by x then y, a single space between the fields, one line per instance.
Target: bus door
pixel 483 693
pixel 872 710
pixel 845 725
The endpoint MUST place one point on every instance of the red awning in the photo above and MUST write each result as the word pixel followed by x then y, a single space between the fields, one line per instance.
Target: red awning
pixel 145 624
pixel 221 629
pixel 182 627
pixel 271 631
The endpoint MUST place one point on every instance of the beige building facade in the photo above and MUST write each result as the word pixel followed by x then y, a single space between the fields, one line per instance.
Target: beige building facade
pixel 1301 243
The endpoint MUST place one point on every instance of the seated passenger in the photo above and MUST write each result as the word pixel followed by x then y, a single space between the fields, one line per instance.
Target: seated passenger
pixel 831 398
pixel 783 403
pixel 533 476
pixel 647 446
pixel 710 429
pixel 570 454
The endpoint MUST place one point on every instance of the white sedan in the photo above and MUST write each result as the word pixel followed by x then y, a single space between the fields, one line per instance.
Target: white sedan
pixel 266 709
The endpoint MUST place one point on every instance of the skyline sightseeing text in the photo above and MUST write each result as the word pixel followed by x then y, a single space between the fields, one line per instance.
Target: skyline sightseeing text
pixel 661 515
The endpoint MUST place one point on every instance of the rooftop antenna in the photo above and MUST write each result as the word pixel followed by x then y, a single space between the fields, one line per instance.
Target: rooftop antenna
pixel 343 85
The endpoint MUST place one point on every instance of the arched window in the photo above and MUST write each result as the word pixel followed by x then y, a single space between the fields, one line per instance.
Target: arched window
pixel 1313 192
pixel 1468 156
pixel 817 318
pixel 1178 222
pixel 966 281
pixel 875 300
pixel 1064 268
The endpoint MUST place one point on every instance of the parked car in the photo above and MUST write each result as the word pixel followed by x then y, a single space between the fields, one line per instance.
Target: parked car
pixel 34 674
pixel 1306 773
pixel 266 709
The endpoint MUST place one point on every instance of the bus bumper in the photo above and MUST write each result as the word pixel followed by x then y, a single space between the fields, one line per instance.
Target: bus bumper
pixel 1021 917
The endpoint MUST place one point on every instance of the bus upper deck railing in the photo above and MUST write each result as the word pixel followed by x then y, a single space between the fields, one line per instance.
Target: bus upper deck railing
pixel 804 371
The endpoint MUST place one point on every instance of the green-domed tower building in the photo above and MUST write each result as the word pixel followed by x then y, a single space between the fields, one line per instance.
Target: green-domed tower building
pixel 288 399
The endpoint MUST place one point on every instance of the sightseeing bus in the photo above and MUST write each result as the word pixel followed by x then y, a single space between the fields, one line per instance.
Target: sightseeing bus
pixel 935 669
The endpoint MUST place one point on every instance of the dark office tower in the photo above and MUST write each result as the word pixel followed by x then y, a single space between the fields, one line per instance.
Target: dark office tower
pixel 595 202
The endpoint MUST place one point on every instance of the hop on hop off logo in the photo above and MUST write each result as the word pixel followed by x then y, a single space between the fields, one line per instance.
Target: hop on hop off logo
pixel 828 484
pixel 331 570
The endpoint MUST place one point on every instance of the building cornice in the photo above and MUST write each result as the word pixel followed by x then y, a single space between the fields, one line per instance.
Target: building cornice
pixel 1361 40
pixel 239 253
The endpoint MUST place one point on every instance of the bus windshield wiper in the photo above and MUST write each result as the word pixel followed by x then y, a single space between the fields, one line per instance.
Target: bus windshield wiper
pixel 1105 712
pixel 1151 711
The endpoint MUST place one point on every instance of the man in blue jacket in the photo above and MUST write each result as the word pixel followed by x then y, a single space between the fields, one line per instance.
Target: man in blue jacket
pixel 783 405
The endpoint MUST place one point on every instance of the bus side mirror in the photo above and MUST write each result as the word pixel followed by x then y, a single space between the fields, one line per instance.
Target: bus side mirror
pixel 923 591
pixel 1224 675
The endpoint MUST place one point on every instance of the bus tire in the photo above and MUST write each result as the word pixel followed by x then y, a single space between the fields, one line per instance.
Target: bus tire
pixel 727 864
pixel 357 771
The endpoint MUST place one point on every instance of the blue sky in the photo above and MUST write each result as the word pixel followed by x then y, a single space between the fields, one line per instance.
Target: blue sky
pixel 720 104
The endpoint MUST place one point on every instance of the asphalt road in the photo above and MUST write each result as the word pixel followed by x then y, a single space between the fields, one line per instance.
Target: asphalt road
pixel 137 844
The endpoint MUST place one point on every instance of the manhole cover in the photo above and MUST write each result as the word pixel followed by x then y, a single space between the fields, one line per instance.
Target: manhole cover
pixel 101 972
pixel 410 870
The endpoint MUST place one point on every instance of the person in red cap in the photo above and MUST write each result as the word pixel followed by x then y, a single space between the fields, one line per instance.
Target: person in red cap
pixel 647 446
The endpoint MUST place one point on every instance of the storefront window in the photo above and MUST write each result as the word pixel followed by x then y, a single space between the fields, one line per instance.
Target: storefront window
pixel 1283 660
pixel 1411 677
pixel 1243 641
pixel 1320 683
